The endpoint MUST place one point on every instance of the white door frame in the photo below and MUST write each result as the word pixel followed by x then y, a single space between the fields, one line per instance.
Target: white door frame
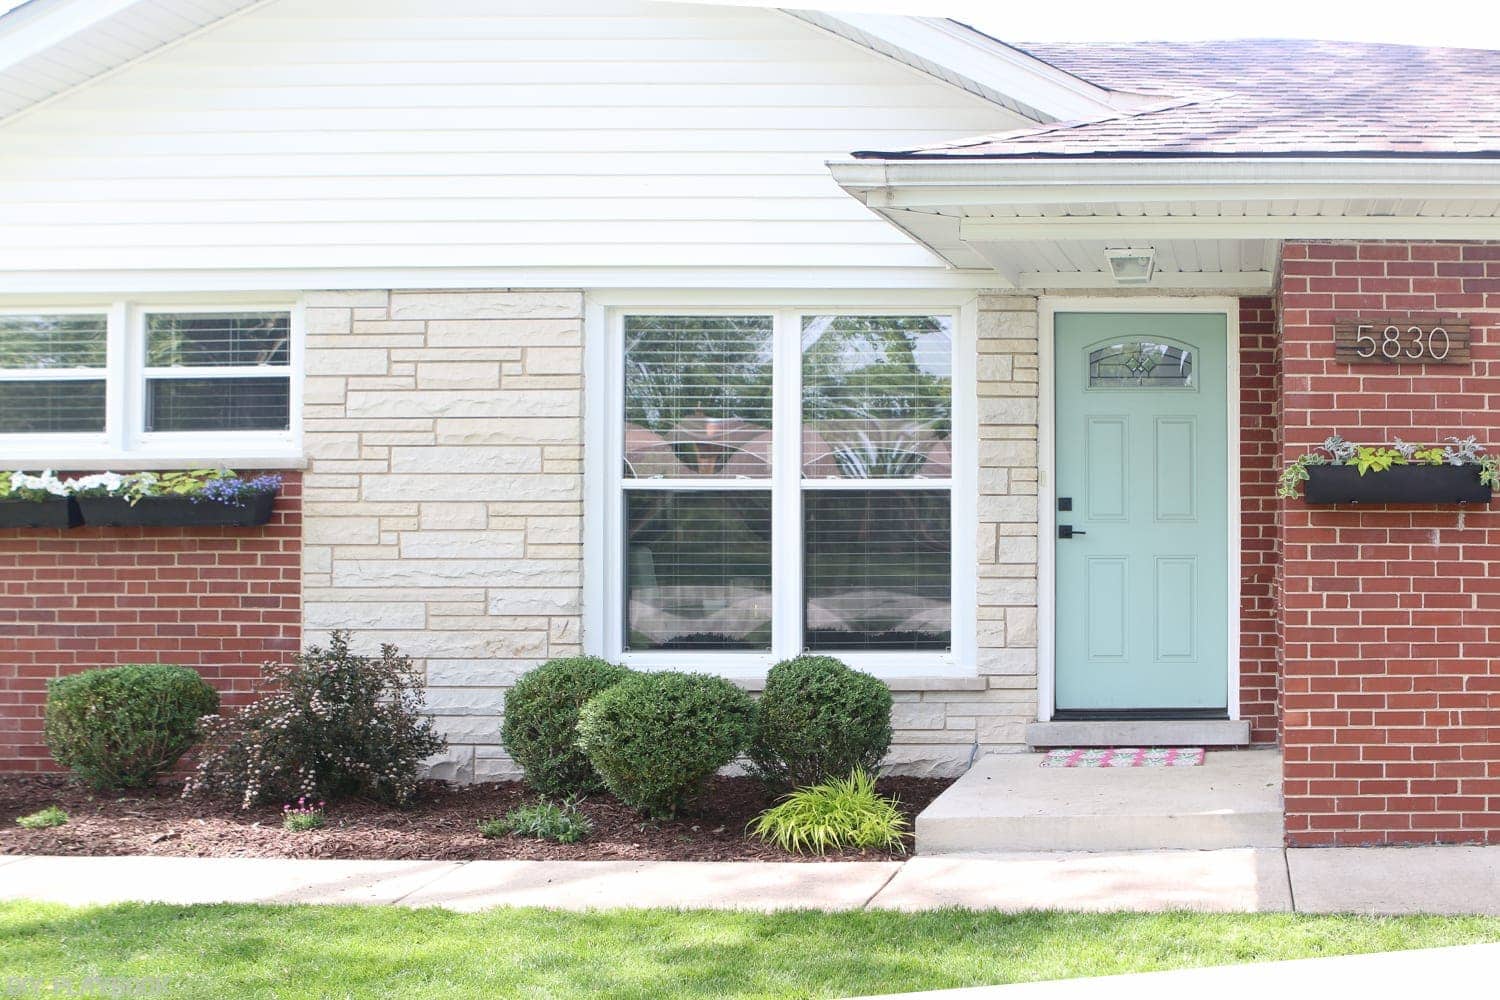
pixel 1048 307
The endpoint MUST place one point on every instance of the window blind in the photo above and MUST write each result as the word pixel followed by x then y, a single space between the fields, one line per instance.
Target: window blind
pixel 34 402
pixel 877 397
pixel 698 396
pixel 194 364
pixel 698 569
pixel 877 569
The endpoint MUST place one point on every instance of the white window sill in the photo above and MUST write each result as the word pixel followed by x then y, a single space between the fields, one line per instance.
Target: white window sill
pixel 900 671
pixel 69 460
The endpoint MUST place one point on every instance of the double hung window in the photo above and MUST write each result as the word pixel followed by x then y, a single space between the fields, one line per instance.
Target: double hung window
pixel 785 484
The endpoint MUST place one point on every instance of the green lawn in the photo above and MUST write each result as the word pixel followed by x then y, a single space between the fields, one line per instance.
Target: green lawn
pixel 274 951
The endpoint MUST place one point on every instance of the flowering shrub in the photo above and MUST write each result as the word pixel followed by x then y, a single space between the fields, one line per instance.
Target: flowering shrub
pixel 305 815
pixel 332 723
pixel 18 485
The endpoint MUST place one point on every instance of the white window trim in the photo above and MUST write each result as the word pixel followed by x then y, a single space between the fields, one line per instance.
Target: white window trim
pixel 125 444
pixel 604 479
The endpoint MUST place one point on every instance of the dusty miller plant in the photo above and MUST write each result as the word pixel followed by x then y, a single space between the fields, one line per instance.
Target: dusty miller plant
pixel 328 725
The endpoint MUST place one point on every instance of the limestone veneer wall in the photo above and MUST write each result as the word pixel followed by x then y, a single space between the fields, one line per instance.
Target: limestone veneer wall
pixel 443 508
pixel 443 496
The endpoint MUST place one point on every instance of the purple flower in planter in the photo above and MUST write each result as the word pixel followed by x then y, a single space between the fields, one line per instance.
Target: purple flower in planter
pixel 232 491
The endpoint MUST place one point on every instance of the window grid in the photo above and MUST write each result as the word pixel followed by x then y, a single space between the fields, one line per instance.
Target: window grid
pixel 788 487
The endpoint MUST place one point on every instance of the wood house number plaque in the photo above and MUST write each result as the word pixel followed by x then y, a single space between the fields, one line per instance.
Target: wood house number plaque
pixel 1395 340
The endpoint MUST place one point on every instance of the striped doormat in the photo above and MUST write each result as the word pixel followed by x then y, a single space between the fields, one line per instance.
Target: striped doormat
pixel 1125 757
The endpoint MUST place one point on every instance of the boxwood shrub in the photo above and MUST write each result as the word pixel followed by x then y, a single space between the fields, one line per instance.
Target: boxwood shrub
pixel 819 720
pixel 655 738
pixel 121 727
pixel 540 730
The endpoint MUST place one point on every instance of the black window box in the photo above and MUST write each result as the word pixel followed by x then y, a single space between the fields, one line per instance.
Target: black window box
pixel 1434 484
pixel 175 512
pixel 59 512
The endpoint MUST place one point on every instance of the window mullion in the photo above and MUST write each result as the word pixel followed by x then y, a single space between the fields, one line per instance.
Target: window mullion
pixel 120 419
pixel 786 476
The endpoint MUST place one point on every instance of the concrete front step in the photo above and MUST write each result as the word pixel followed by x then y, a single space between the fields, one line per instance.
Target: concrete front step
pixel 1009 802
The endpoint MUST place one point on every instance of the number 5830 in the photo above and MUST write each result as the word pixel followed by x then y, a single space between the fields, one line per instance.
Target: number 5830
pixel 1434 344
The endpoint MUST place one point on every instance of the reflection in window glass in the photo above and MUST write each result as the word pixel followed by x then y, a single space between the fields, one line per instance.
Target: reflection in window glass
pixel 218 404
pixel 52 341
pixel 60 407
pixel 698 569
pixel 698 396
pixel 1141 364
pixel 877 397
pixel 877 570
pixel 210 340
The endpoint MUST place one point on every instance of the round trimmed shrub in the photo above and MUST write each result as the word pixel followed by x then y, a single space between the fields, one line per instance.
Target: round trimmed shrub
pixel 656 738
pixel 819 720
pixel 122 727
pixel 541 722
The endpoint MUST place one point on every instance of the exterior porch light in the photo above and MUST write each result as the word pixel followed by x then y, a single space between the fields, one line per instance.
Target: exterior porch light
pixel 1131 265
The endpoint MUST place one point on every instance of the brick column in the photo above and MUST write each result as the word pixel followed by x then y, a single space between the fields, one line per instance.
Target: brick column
pixel 1391 615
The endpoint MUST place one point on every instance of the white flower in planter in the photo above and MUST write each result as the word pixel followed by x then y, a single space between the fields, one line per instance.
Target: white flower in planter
pixel 110 482
pixel 46 483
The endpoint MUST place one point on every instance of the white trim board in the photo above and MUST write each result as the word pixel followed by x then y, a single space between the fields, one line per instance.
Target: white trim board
pixel 1047 309
pixel 603 378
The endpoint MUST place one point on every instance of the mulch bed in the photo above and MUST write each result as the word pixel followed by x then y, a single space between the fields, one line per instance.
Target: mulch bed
pixel 440 825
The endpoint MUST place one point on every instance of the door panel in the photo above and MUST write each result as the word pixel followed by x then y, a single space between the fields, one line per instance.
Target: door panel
pixel 1142 586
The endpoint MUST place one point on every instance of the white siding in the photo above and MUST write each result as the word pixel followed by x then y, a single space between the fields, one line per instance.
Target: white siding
pixel 477 134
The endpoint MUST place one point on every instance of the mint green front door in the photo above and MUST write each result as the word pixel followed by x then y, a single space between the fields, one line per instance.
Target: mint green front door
pixel 1142 484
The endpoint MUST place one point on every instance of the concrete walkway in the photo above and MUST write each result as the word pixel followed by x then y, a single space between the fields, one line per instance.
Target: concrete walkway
pixel 1413 880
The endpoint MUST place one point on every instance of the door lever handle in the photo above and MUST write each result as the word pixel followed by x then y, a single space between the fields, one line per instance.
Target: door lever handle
pixel 1068 531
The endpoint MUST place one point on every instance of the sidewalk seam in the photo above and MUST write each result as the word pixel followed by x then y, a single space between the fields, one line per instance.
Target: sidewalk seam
pixel 890 878
pixel 436 878
pixel 1291 890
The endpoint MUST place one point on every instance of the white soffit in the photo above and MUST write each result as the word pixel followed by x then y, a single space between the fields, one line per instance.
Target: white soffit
pixel 1213 223
pixel 50 46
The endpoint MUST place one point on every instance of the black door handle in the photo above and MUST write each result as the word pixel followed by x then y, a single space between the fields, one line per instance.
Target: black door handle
pixel 1068 531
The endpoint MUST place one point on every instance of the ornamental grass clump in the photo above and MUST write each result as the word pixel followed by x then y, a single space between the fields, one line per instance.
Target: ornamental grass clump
pixel 561 823
pixel 540 730
pixel 818 719
pixel 122 727
pixel 834 815
pixel 655 738
pixel 43 819
pixel 330 724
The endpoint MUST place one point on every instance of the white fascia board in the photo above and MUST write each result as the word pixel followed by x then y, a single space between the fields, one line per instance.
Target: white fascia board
pixel 28 31
pixel 1021 82
pixel 978 182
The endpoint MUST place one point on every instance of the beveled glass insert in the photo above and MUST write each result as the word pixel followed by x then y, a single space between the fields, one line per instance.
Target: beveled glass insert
pixel 698 397
pixel 877 397
pixel 698 569
pixel 1141 364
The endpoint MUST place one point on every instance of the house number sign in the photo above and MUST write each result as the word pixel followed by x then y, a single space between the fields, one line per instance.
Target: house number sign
pixel 1395 340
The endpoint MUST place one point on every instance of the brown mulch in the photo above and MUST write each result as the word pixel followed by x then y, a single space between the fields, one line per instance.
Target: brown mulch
pixel 440 825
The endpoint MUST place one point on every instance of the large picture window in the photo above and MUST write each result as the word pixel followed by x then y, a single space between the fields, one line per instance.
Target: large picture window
pixel 95 385
pixel 785 482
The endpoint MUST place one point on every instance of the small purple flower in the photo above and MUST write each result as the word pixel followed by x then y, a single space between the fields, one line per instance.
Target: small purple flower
pixel 232 491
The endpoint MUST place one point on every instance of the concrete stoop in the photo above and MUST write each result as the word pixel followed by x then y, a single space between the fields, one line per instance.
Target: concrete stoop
pixel 1009 802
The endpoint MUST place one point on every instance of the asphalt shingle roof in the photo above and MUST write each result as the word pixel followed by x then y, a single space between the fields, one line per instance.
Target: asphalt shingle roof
pixel 1265 98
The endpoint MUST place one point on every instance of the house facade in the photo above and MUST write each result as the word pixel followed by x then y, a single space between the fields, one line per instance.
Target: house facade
pixel 698 337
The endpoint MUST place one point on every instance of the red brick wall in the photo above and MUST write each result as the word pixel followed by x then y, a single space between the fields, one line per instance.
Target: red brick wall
pixel 1391 614
pixel 221 600
pixel 1260 456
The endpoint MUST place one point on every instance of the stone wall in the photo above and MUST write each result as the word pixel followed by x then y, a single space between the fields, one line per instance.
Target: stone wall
pixel 444 490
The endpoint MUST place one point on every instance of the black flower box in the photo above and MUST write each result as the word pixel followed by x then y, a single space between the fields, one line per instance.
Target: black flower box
pixel 58 512
pixel 175 512
pixel 1425 484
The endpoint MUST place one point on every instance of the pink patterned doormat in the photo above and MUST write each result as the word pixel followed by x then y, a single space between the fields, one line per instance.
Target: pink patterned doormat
pixel 1125 757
